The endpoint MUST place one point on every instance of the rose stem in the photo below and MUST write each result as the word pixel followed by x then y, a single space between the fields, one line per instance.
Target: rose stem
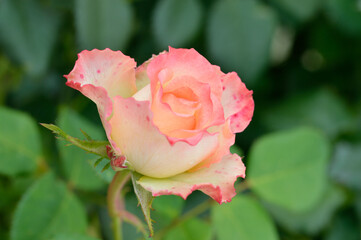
pixel 115 203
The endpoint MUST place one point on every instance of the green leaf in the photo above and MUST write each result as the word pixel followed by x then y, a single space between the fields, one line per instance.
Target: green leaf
pixel 346 165
pixel 345 14
pixel 166 209
pixel 242 218
pixel 192 229
pixel 322 109
pixel 47 208
pixel 299 12
pixel 29 31
pixel 78 164
pixel 176 22
pixel 289 168
pixel 20 144
pixel 103 24
pixel 62 236
pixel 312 221
pixel 145 199
pixel 239 36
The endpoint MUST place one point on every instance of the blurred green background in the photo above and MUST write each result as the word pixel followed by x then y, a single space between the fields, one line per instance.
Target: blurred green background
pixel 302 149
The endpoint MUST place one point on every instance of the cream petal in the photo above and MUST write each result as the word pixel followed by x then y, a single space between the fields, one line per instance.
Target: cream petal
pixel 217 181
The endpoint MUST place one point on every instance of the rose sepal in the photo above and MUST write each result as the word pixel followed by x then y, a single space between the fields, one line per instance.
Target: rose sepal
pixel 145 200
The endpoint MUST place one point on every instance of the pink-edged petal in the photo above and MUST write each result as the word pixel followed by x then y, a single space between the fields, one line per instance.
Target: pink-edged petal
pixel 186 62
pixel 109 69
pixel 225 140
pixel 237 102
pixel 104 104
pixel 101 75
pixel 217 181
pixel 97 94
pixel 146 149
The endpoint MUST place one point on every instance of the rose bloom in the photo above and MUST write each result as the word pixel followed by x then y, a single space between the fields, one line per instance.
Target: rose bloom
pixel 173 119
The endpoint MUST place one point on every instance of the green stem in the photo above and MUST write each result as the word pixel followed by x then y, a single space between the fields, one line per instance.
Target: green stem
pixel 117 229
pixel 115 202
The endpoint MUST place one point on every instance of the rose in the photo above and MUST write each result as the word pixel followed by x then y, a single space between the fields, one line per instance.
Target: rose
pixel 173 119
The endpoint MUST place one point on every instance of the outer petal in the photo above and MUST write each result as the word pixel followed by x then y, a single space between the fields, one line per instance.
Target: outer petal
pixel 237 102
pixel 147 150
pixel 109 69
pixel 217 181
pixel 100 97
pixel 101 75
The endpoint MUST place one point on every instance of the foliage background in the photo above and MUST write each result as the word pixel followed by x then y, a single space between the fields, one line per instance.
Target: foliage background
pixel 302 149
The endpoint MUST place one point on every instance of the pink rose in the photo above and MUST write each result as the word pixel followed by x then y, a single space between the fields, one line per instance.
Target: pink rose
pixel 173 119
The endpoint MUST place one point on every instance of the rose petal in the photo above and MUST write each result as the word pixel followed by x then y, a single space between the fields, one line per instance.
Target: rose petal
pixel 169 121
pixel 217 181
pixel 237 102
pixel 181 106
pixel 146 149
pixel 192 137
pixel 186 62
pixel 211 110
pixel 101 75
pixel 104 104
pixel 109 69
pixel 141 76
pixel 225 140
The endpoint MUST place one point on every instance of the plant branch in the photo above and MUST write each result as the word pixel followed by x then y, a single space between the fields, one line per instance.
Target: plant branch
pixel 115 204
